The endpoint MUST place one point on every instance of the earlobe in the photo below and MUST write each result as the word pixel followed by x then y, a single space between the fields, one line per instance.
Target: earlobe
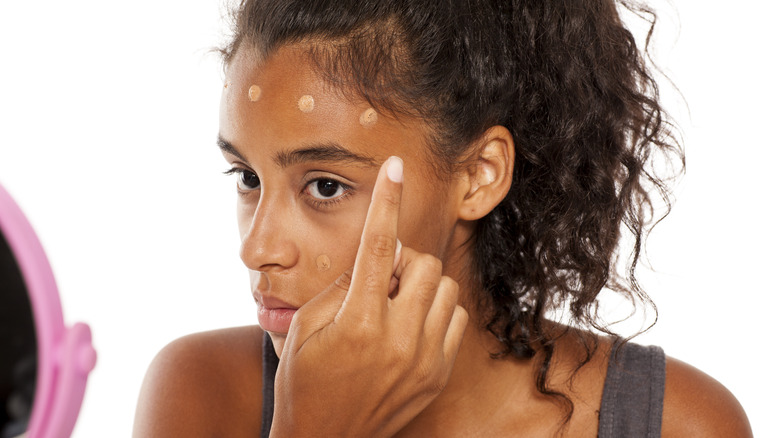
pixel 488 179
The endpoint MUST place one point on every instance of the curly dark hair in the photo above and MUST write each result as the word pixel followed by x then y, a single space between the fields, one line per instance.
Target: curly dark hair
pixel 570 83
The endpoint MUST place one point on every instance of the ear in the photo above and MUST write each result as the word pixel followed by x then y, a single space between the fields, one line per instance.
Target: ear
pixel 486 181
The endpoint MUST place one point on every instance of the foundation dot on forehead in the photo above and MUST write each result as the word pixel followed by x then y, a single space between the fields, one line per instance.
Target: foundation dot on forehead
pixel 368 118
pixel 254 93
pixel 323 262
pixel 306 103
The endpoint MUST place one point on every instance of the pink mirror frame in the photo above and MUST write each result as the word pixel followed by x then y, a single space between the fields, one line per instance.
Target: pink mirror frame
pixel 65 355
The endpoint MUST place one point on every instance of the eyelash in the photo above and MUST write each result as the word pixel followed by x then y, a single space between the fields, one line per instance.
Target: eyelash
pixel 317 203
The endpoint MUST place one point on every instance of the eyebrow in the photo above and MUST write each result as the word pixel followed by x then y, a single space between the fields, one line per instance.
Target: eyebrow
pixel 226 147
pixel 330 152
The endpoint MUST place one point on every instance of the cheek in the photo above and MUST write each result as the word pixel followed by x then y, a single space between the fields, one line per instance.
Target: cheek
pixel 332 244
pixel 424 233
pixel 426 220
pixel 244 216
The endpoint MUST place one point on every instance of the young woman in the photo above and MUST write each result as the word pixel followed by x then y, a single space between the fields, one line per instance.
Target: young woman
pixel 420 184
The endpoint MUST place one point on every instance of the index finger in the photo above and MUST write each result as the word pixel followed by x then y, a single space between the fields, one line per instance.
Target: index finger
pixel 375 256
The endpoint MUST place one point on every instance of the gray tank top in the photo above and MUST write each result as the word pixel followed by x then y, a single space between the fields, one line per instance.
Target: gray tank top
pixel 631 405
pixel 633 398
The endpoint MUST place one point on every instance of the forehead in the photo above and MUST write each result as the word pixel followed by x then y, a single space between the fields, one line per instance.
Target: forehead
pixel 284 85
pixel 283 102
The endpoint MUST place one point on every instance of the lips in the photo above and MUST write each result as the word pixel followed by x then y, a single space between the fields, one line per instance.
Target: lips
pixel 274 315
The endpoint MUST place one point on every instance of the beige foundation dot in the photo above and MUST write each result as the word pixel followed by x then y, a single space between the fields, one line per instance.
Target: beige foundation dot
pixel 254 93
pixel 306 103
pixel 368 118
pixel 323 262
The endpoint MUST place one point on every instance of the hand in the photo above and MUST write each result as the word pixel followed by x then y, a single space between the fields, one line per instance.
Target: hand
pixel 357 362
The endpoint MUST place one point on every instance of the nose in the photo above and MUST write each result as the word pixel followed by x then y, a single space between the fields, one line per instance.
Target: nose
pixel 268 243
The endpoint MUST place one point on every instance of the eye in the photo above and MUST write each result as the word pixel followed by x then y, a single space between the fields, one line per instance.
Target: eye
pixel 325 189
pixel 245 179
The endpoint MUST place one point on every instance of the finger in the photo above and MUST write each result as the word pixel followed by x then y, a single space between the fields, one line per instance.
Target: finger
pixel 374 261
pixel 319 312
pixel 420 277
pixel 392 289
pixel 439 317
pixel 455 331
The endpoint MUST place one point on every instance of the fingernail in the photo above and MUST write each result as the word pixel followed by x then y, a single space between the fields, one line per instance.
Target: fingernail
pixel 395 169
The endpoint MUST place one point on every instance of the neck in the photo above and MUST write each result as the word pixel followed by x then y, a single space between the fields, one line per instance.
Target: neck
pixel 478 394
pixel 478 391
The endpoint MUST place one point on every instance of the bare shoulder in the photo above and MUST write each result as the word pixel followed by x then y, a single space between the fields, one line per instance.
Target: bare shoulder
pixel 204 384
pixel 696 405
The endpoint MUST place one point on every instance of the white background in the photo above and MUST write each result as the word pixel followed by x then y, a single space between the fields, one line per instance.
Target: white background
pixel 108 116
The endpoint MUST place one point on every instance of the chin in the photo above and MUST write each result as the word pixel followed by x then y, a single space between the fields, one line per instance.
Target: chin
pixel 278 341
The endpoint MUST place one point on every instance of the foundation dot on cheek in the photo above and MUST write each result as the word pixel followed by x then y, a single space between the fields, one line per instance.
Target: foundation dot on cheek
pixel 323 262
pixel 254 93
pixel 368 118
pixel 306 103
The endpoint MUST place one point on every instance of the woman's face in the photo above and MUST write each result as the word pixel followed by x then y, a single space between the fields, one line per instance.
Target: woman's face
pixel 306 160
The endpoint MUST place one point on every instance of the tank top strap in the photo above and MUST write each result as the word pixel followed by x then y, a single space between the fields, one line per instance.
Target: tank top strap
pixel 632 402
pixel 270 363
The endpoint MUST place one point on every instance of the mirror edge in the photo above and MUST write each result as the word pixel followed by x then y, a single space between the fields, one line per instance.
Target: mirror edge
pixel 65 356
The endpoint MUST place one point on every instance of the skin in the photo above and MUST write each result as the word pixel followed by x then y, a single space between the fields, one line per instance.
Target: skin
pixel 389 329
pixel 283 226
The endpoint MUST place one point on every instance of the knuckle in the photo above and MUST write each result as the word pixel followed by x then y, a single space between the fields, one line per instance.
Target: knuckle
pixel 363 332
pixel 439 383
pixel 344 281
pixel 390 199
pixel 430 263
pixel 429 286
pixel 430 375
pixel 381 245
pixel 422 373
pixel 373 281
